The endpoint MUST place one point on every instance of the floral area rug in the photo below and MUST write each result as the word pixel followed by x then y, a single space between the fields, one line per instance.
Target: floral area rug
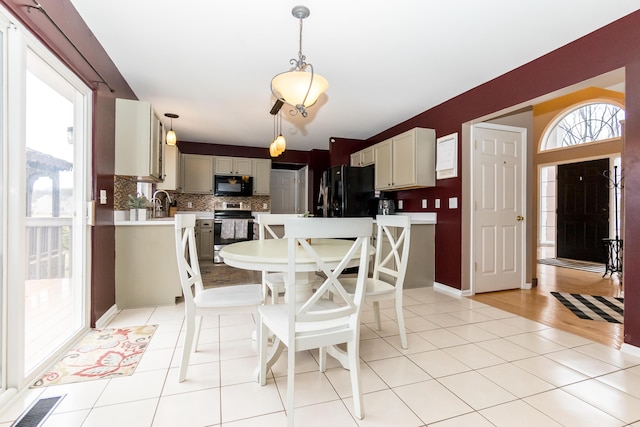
pixel 102 353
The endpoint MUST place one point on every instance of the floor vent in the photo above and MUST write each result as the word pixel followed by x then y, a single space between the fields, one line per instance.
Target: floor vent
pixel 38 413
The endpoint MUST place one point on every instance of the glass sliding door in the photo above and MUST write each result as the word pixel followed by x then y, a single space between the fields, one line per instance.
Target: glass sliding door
pixel 47 234
pixel 54 300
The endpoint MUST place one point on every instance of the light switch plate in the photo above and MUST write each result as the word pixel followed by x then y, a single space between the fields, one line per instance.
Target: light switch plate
pixel 424 203
pixel 453 203
pixel 400 204
pixel 437 203
pixel 264 206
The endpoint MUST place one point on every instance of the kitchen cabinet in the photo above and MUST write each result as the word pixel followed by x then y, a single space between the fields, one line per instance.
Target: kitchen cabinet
pixel 232 165
pixel 261 172
pixel 172 179
pixel 363 158
pixel 146 268
pixel 421 263
pixel 139 141
pixel 204 239
pixel 197 173
pixel 406 160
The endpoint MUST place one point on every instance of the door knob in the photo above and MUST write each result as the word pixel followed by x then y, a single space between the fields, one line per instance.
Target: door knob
pixel 520 218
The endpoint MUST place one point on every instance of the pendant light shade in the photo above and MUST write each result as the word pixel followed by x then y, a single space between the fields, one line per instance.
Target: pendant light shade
pixel 172 138
pixel 299 87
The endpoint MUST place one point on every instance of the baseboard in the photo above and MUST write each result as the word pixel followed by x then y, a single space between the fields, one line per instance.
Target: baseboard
pixel 630 349
pixel 106 317
pixel 451 291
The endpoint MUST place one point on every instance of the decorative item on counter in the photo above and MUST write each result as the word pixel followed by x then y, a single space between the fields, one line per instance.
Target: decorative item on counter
pixel 138 205
pixel 173 208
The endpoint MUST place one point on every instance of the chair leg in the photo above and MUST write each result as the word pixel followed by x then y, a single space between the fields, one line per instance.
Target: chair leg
pixel 322 356
pixel 401 328
pixel 186 350
pixel 291 368
pixel 353 355
pixel 274 295
pixel 198 329
pixel 376 314
pixel 263 335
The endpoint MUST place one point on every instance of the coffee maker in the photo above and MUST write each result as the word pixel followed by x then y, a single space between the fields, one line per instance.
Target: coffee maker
pixel 386 207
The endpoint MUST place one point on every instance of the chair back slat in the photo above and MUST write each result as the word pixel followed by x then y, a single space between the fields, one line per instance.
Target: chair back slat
pixel 187 257
pixel 266 223
pixel 394 263
pixel 300 229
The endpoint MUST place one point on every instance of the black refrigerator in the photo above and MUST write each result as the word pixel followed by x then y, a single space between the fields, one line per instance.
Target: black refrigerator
pixel 347 191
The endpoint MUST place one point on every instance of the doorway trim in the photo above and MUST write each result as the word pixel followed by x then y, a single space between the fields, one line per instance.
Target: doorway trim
pixel 469 164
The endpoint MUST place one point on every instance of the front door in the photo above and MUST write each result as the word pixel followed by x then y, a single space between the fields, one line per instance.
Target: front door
pixel 583 210
pixel 498 212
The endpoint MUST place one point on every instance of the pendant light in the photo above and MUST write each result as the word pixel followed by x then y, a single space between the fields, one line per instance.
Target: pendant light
pixel 279 144
pixel 299 87
pixel 172 139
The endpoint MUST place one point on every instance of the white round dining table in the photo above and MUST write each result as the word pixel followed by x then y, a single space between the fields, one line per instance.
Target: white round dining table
pixel 271 255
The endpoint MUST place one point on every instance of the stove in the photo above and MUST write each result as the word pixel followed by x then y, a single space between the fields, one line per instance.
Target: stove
pixel 232 210
pixel 232 223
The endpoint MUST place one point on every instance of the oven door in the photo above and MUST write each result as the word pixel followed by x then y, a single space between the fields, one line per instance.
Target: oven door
pixel 219 242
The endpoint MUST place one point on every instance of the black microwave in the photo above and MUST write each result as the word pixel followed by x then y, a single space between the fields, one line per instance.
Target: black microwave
pixel 232 185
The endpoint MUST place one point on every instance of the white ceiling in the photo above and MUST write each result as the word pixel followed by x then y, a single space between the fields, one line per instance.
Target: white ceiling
pixel 211 61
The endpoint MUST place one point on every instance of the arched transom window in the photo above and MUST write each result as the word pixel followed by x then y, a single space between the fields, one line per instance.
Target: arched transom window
pixel 587 123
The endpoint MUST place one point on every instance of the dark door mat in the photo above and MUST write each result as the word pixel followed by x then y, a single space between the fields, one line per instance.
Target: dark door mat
pixel 38 412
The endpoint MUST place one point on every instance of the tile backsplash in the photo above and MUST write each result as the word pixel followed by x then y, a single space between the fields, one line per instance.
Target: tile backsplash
pixel 122 187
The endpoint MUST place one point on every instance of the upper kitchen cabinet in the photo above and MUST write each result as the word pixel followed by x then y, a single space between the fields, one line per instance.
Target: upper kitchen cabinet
pixel 197 173
pixel 261 171
pixel 406 160
pixel 363 158
pixel 172 179
pixel 232 165
pixel 139 141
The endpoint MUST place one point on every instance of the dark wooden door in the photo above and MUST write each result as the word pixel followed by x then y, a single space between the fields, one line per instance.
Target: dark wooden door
pixel 583 210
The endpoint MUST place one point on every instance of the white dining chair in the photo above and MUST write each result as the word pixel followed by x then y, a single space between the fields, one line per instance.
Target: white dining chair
pixel 320 322
pixel 198 301
pixel 271 226
pixel 389 268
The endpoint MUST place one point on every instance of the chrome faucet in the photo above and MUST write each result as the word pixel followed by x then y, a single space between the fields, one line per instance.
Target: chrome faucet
pixel 157 203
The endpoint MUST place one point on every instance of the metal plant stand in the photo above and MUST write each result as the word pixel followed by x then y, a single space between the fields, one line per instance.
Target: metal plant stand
pixel 614 246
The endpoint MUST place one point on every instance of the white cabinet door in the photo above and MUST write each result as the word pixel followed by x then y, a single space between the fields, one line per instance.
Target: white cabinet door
pixel 139 141
pixel 403 160
pixel 232 165
pixel 197 173
pixel 383 171
pixel 171 169
pixel 261 172
pixel 242 166
pixel 363 158
pixel 367 156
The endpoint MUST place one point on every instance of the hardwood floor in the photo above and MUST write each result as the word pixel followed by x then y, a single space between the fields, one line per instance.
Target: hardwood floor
pixel 538 304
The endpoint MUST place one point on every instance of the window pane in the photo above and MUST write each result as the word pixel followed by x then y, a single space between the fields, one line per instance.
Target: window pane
pixel 588 123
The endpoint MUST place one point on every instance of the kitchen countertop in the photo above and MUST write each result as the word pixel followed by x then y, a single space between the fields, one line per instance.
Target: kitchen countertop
pixel 121 218
pixel 419 218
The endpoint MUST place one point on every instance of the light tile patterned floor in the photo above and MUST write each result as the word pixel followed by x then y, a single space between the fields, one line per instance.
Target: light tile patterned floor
pixel 468 364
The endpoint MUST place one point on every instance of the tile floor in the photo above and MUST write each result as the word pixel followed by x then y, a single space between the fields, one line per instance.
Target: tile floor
pixel 468 364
